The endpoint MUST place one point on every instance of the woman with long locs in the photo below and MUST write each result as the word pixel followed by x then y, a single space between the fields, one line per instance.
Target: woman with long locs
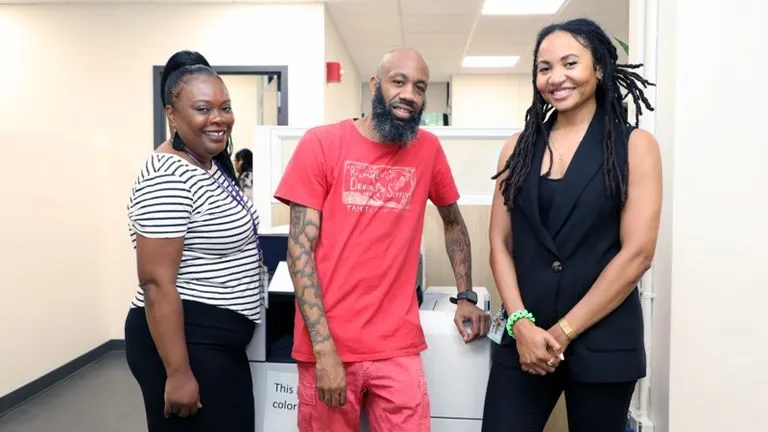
pixel 574 223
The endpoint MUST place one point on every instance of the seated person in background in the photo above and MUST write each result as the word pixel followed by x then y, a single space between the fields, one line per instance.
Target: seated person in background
pixel 198 265
pixel 357 192
pixel 244 168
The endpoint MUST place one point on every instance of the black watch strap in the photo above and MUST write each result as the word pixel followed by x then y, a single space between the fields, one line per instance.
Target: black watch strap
pixel 467 295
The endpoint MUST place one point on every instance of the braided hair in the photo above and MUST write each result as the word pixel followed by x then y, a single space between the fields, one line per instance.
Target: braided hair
pixel 176 79
pixel 608 95
pixel 177 61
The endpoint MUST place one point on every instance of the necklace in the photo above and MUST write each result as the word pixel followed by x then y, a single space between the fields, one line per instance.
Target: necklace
pixel 561 160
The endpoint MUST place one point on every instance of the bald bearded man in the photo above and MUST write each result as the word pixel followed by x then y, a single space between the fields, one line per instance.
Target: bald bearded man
pixel 357 192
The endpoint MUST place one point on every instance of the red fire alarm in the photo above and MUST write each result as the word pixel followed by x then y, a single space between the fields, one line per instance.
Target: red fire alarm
pixel 333 72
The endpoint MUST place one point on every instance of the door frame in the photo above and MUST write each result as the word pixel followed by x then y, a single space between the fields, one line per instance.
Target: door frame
pixel 281 73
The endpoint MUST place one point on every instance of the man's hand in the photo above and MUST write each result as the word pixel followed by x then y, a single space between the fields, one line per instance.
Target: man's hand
pixel 477 321
pixel 458 247
pixel 330 379
pixel 303 233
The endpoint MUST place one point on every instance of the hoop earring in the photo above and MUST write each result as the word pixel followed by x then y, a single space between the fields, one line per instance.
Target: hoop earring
pixel 177 142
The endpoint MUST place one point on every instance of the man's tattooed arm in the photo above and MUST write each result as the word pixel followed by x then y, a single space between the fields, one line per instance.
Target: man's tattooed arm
pixel 457 245
pixel 303 233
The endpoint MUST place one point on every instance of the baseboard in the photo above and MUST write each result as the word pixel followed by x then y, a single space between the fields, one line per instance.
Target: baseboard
pixel 116 345
pixel 22 395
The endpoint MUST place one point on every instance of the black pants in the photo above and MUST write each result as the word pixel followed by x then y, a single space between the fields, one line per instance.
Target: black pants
pixel 522 402
pixel 216 341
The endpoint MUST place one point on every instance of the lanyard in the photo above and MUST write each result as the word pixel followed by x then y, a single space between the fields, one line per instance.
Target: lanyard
pixel 234 192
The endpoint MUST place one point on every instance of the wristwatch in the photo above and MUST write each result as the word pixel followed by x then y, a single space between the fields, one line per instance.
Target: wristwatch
pixel 467 295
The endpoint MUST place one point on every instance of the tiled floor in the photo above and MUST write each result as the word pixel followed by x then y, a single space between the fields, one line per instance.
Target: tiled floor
pixel 100 398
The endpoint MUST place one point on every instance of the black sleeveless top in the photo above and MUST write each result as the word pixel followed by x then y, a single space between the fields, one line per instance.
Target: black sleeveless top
pixel 564 233
pixel 547 192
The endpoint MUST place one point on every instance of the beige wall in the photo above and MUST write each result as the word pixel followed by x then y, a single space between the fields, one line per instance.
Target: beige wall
pixel 76 119
pixel 490 101
pixel 53 264
pixel 342 100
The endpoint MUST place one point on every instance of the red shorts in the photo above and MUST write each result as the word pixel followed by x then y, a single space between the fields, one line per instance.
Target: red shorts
pixel 392 392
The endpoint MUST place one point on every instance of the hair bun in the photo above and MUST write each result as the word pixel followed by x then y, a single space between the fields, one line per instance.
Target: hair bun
pixel 177 61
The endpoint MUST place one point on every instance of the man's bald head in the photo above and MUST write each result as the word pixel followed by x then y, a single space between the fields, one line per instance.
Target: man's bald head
pixel 403 58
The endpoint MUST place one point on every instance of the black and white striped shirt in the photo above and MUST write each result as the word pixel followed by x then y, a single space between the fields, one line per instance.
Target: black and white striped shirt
pixel 220 263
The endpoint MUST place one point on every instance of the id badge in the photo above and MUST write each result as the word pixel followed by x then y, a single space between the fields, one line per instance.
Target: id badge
pixel 498 326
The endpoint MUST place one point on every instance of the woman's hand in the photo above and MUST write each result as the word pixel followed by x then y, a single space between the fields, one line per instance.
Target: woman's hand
pixel 182 397
pixel 557 332
pixel 538 350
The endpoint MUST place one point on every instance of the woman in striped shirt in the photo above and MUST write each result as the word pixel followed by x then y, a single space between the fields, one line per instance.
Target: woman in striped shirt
pixel 199 268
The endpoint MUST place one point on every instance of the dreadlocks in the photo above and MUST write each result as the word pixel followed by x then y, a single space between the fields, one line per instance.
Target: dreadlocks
pixel 608 95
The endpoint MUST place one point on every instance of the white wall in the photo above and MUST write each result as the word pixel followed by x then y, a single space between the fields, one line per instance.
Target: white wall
pixel 76 120
pixel 490 100
pixel 342 100
pixel 710 275
pixel 663 127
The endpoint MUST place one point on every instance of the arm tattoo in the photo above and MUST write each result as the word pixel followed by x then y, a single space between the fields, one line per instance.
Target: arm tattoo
pixel 457 245
pixel 303 233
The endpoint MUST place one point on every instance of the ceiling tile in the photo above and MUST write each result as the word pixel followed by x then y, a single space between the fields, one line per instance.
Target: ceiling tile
pixel 438 23
pixel 512 26
pixel 368 32
pixel 363 7
pixel 491 71
pixel 441 52
pixel 423 40
pixel 441 7
pixel 601 11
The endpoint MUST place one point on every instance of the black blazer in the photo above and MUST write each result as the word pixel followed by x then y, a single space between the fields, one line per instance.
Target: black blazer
pixel 558 260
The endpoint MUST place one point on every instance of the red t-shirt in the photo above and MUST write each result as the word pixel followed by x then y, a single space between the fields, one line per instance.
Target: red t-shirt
pixel 372 199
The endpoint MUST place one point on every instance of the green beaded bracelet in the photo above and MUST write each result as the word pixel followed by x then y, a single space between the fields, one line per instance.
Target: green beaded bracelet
pixel 517 316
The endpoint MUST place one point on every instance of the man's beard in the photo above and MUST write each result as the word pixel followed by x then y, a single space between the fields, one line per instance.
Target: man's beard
pixel 389 128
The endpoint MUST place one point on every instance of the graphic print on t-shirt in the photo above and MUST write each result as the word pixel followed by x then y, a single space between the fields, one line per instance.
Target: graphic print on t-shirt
pixel 377 187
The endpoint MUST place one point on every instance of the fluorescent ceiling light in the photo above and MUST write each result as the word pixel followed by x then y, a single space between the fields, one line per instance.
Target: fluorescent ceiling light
pixel 521 7
pixel 489 61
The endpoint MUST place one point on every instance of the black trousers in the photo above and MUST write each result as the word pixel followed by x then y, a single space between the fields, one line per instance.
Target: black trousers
pixel 216 342
pixel 522 402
